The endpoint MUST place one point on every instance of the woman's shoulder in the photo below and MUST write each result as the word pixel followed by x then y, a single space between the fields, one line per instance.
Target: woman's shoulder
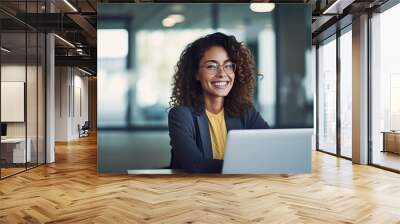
pixel 182 111
pixel 180 115
pixel 253 119
pixel 249 112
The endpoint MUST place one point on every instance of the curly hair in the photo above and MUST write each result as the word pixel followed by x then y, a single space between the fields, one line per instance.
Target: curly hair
pixel 187 91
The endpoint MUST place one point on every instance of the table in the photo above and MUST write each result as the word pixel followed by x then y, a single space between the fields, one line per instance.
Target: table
pixel 157 171
pixel 391 141
pixel 17 149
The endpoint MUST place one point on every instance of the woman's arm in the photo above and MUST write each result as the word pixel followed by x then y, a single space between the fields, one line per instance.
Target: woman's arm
pixel 182 133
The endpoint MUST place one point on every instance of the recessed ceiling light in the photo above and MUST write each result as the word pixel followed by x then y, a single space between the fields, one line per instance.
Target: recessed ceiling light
pixel 173 19
pixel 5 50
pixel 84 71
pixel 64 40
pixel 168 22
pixel 262 7
pixel 178 18
pixel 333 8
pixel 70 5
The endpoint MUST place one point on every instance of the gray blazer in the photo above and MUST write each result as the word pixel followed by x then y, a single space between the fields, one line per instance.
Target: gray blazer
pixel 190 137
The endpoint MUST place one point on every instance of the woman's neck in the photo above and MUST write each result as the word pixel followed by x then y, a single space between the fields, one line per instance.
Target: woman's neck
pixel 214 104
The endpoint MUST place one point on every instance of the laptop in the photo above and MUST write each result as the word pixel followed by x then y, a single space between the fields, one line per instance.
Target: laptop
pixel 268 151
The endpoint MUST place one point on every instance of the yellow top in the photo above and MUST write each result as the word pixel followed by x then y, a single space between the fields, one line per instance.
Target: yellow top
pixel 217 127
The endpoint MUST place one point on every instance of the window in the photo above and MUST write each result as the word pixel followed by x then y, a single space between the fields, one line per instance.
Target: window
pixel 346 93
pixel 327 96
pixel 385 87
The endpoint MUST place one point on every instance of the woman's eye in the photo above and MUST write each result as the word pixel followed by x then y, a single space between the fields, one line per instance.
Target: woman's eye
pixel 212 66
pixel 228 66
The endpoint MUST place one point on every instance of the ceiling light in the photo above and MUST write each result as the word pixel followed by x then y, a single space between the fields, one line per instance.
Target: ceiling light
pixel 84 71
pixel 262 7
pixel 5 50
pixel 70 5
pixel 173 19
pixel 334 8
pixel 178 18
pixel 65 41
pixel 168 22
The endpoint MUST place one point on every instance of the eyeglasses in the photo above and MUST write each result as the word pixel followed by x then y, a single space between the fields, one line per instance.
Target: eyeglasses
pixel 212 67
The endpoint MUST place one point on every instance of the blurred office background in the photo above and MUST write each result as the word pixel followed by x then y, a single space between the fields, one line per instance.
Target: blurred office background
pixel 140 44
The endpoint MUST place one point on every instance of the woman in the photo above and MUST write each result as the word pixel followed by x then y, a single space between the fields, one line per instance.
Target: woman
pixel 212 93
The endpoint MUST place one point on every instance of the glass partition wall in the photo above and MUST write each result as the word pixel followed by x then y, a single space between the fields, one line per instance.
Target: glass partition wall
pixel 22 77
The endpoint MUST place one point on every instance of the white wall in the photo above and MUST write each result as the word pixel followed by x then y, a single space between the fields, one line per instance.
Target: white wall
pixel 17 73
pixel 71 94
pixel 33 126
pixel 62 81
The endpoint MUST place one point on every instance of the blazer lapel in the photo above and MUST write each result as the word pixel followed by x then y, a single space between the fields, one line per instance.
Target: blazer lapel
pixel 232 123
pixel 202 121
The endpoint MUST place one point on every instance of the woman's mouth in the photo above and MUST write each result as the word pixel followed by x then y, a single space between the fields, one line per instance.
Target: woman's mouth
pixel 220 84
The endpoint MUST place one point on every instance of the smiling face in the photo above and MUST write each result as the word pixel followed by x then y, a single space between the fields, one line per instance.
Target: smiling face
pixel 216 73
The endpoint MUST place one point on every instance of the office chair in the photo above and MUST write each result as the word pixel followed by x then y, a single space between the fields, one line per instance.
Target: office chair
pixel 84 130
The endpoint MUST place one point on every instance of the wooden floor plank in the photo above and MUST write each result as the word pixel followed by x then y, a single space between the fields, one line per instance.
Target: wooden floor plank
pixel 71 191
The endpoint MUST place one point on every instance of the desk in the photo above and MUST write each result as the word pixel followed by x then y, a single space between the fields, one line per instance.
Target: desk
pixel 157 171
pixel 16 151
pixel 391 141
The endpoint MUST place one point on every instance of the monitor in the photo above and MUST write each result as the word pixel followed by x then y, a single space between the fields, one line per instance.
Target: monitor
pixel 3 129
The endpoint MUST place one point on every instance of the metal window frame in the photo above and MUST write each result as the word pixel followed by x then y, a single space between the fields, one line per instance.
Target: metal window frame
pixel 340 31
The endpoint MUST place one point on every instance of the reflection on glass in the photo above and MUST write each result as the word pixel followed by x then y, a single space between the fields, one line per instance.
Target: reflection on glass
pixel 327 96
pixel 112 77
pixel 386 89
pixel 346 94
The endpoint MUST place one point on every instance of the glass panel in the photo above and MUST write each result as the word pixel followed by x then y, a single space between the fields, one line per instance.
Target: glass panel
pixel 111 73
pixel 31 98
pixel 327 96
pixel 13 89
pixel 41 99
pixel 346 94
pixel 31 86
pixel 386 89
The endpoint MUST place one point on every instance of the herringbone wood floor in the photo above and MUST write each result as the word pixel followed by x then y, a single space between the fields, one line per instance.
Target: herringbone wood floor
pixel 70 191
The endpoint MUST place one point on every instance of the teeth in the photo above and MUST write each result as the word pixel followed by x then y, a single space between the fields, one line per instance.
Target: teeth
pixel 220 83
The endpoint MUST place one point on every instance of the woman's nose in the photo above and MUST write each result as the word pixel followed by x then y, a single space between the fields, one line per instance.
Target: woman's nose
pixel 221 72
